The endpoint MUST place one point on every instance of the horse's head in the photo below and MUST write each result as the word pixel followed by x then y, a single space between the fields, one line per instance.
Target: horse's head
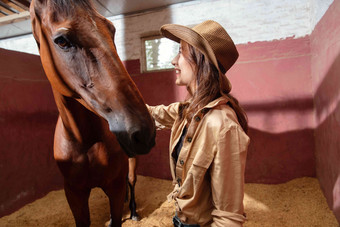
pixel 80 59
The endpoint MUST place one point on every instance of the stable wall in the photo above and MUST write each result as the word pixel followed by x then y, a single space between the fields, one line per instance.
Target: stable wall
pixel 272 82
pixel 27 120
pixel 325 45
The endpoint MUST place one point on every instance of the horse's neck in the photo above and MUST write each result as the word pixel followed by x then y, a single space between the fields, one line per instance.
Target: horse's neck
pixel 79 123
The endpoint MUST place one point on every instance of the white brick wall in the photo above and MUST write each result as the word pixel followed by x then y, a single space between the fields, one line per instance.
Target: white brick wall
pixel 245 21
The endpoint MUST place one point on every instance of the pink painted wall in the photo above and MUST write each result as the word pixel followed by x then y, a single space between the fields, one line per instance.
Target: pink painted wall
pixel 272 81
pixel 325 43
pixel 27 120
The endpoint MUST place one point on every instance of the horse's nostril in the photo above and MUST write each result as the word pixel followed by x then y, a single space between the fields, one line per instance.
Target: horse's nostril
pixel 142 140
pixel 108 110
pixel 136 137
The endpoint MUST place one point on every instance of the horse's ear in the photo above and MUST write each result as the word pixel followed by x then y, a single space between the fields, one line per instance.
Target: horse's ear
pixel 35 22
pixel 111 28
pixel 35 13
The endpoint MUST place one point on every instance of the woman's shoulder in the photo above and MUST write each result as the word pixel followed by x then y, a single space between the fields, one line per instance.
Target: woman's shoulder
pixel 221 115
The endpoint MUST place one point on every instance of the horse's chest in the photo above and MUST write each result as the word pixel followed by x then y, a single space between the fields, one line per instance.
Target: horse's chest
pixel 95 161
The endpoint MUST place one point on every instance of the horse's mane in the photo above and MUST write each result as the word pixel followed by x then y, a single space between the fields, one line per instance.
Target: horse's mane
pixel 68 6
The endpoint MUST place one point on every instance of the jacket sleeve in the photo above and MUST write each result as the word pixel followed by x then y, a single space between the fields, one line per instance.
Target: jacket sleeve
pixel 164 116
pixel 227 177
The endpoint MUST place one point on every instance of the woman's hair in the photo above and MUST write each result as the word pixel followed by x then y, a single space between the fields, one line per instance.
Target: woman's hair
pixel 208 87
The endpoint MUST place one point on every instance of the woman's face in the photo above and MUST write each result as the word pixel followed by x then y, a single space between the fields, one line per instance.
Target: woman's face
pixel 184 69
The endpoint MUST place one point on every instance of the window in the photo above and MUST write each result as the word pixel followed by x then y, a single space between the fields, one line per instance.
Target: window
pixel 158 53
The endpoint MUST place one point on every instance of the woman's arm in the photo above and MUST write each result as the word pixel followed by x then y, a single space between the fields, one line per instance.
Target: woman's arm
pixel 164 116
pixel 227 177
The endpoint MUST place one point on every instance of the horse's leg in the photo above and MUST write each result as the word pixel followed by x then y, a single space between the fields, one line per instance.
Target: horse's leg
pixel 134 216
pixel 132 179
pixel 78 202
pixel 116 191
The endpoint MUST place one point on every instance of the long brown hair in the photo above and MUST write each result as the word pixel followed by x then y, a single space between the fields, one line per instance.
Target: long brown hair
pixel 209 86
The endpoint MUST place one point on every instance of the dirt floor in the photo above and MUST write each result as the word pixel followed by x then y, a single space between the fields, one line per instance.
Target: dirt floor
pixel 295 203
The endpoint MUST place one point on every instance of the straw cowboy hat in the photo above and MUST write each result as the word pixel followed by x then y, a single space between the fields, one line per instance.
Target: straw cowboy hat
pixel 210 38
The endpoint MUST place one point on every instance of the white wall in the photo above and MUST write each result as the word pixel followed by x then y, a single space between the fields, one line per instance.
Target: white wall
pixel 245 21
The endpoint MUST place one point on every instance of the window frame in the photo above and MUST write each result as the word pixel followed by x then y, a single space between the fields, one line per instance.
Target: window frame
pixel 143 60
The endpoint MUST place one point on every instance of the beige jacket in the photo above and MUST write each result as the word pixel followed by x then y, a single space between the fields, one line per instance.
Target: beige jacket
pixel 209 173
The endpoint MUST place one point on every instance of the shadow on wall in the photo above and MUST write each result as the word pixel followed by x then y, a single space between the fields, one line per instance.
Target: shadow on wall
pixel 277 158
pixel 280 157
pixel 327 159
pixel 27 168
pixel 327 134
pixel 328 93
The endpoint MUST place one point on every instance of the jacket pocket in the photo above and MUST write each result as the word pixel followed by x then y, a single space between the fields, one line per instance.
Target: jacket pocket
pixel 203 162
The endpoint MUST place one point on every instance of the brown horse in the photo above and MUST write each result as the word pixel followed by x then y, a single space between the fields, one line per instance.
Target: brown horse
pixel 101 112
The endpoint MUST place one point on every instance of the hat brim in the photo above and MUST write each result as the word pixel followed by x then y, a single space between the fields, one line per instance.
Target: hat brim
pixel 177 33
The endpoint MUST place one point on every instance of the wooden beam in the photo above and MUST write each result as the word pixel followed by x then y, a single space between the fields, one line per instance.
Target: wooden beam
pixel 15 6
pixel 5 11
pixel 6 6
pixel 21 3
pixel 14 18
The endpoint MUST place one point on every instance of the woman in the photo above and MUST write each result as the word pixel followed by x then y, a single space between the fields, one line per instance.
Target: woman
pixel 208 143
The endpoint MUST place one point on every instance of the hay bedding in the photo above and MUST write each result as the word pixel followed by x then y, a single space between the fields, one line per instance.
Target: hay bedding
pixel 295 203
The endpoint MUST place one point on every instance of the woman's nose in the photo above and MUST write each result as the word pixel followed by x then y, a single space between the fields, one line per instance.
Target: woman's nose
pixel 175 60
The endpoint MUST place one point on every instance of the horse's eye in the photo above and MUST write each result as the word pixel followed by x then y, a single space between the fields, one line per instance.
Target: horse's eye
pixel 63 43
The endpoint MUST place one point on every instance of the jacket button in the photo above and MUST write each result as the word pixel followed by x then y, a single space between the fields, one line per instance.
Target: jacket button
pixel 189 139
pixel 181 162
pixel 197 118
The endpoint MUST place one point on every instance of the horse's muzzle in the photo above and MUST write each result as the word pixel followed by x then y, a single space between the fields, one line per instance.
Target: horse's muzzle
pixel 137 141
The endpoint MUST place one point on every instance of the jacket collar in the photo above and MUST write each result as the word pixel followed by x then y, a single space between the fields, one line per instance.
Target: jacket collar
pixel 219 101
